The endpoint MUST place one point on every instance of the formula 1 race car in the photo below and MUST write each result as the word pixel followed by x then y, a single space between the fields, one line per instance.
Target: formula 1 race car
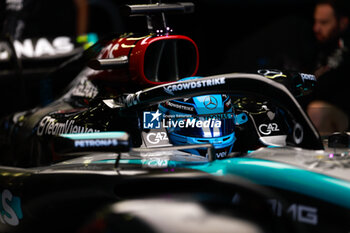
pixel 257 119
pixel 304 185
pixel 230 152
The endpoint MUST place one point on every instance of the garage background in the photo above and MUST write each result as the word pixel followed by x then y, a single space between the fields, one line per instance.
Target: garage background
pixel 232 36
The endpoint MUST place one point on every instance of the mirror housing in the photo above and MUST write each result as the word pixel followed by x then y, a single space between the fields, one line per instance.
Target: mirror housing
pixel 147 61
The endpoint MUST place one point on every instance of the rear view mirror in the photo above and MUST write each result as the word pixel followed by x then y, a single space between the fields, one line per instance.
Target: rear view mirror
pixel 149 60
pixel 169 60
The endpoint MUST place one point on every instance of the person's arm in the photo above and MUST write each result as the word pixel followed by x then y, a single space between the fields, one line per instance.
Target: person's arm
pixel 82 17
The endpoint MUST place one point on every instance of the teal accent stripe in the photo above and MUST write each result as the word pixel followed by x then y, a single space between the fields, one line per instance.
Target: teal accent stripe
pixel 99 135
pixel 272 174
pixel 284 176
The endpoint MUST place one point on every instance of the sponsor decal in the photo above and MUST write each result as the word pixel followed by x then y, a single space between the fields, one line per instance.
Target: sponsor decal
pixel 105 52
pixel 154 120
pixel 193 85
pixel 151 120
pixel 114 48
pixel 155 163
pixel 179 106
pixel 210 102
pixel 85 89
pixel 50 126
pixel 299 213
pixel 222 154
pixel 10 208
pixel 82 87
pixel 305 77
pixel 267 129
pixel 42 47
pixel 219 116
pixel 191 123
pixel 155 138
pixel 95 143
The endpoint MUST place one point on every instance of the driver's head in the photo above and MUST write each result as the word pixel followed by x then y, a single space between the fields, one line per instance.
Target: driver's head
pixel 199 120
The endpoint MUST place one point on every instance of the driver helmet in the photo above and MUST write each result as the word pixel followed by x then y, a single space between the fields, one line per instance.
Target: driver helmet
pixel 200 120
